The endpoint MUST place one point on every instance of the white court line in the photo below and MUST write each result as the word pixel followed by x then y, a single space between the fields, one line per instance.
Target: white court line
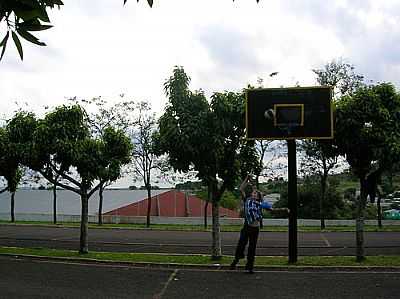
pixel 358 270
pixel 171 277
pixel 325 240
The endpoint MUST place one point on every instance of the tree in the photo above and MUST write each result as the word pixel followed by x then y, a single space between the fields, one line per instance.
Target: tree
pixel 53 187
pixel 341 76
pixel 322 155
pixel 31 176
pixel 229 199
pixel 205 136
pixel 367 130
pixel 61 142
pixel 13 179
pixel 198 187
pixel 3 152
pixel 144 155
pixel 321 158
pixel 9 168
pixel 101 117
pixel 261 147
pixel 251 160
pixel 309 193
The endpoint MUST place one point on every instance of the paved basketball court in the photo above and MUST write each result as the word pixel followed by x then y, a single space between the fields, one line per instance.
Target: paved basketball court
pixel 125 240
pixel 24 278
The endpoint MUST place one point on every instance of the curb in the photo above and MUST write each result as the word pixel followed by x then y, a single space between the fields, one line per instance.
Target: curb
pixel 109 228
pixel 184 230
pixel 212 267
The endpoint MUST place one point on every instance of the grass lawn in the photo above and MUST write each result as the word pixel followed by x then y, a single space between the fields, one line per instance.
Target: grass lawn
pixel 224 228
pixel 197 259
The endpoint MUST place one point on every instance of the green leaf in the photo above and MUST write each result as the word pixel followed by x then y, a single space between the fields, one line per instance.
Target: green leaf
pixel 18 45
pixel 4 41
pixel 27 14
pixel 42 14
pixel 30 38
pixel 4 44
pixel 58 2
pixel 33 26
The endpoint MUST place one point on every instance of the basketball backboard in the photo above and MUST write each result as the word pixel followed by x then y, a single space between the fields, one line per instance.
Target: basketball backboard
pixel 289 113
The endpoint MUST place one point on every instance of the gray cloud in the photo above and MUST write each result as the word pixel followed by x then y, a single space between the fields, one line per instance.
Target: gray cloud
pixel 341 20
pixel 377 55
pixel 229 49
pixel 233 55
pixel 374 50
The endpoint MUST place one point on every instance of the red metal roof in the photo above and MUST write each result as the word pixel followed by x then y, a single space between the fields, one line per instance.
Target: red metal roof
pixel 172 203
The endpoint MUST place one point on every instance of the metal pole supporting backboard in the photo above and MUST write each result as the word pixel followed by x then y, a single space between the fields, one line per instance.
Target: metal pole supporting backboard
pixel 292 199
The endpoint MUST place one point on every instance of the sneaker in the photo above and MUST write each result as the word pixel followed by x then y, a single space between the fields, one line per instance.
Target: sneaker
pixel 249 269
pixel 233 264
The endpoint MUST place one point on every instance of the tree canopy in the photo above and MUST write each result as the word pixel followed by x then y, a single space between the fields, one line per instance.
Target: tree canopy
pixel 9 162
pixel 367 133
pixel 341 76
pixel 61 144
pixel 207 137
pixel 368 126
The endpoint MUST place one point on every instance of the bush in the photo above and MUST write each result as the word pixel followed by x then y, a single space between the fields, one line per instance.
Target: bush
pixel 229 200
pixel 309 194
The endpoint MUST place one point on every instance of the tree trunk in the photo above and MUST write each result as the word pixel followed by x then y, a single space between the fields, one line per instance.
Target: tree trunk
pixel 186 204
pixel 158 205
pixel 100 214
pixel 378 204
pixel 83 245
pixel 360 254
pixel 12 206
pixel 148 205
pixel 390 178
pixel 55 204
pixel 322 201
pixel 205 214
pixel 216 233
pixel 209 196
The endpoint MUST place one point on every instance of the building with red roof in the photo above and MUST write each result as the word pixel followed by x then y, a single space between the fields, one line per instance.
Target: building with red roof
pixel 171 203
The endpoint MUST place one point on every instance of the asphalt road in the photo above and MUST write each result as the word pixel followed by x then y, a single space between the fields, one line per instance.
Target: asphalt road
pixel 127 240
pixel 23 278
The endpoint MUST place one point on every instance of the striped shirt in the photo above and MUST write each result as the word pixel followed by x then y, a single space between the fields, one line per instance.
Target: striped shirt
pixel 252 211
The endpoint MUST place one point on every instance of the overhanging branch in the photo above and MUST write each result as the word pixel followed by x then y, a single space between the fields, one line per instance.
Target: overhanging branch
pixel 66 176
pixel 95 189
pixel 55 182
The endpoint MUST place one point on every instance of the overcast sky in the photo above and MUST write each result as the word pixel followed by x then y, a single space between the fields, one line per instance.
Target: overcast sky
pixel 102 48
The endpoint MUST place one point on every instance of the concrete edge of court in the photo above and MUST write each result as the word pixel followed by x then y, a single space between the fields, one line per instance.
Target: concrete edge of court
pixel 209 267
pixel 188 220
